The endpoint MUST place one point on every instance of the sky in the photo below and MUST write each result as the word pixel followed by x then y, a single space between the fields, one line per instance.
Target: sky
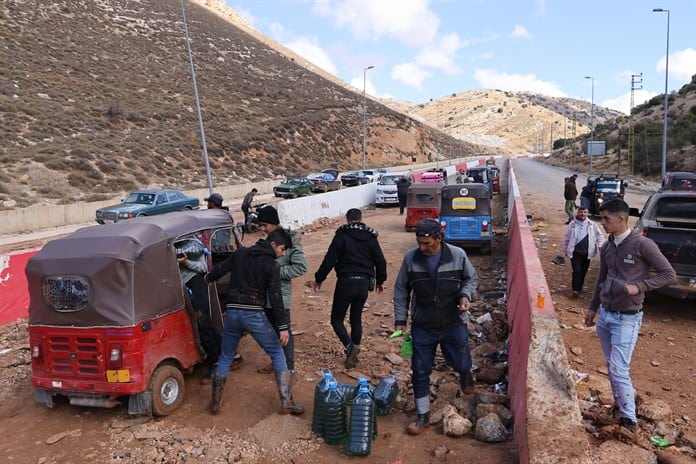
pixel 427 49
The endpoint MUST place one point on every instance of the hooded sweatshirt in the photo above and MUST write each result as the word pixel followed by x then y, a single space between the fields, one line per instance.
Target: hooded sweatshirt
pixel 354 250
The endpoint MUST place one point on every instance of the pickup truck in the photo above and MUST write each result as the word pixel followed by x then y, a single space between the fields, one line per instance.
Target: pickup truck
pixel 669 219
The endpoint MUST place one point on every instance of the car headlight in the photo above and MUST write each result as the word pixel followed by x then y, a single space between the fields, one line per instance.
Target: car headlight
pixel 380 192
pixel 125 215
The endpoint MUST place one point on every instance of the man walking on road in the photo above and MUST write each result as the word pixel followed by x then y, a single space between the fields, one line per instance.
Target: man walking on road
pixel 246 203
pixel 570 193
pixel 581 242
pixel 356 256
pixel 402 186
pixel 624 277
pixel 438 282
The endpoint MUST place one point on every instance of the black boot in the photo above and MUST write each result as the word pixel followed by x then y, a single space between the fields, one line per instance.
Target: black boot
pixel 421 423
pixel 287 405
pixel 218 387
pixel 210 373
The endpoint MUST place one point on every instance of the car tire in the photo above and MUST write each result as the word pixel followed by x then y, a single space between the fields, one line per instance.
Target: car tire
pixel 99 221
pixel 141 215
pixel 167 388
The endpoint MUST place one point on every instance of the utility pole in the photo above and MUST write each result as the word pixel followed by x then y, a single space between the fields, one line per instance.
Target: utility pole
pixel 636 79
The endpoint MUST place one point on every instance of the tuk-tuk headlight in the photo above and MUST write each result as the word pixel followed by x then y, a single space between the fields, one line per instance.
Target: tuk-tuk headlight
pixel 599 200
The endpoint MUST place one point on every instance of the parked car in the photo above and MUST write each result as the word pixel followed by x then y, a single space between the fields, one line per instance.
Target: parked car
pixel 372 174
pixel 669 219
pixel 325 181
pixel 293 187
pixel 378 173
pixel 353 178
pixel 386 189
pixel 147 203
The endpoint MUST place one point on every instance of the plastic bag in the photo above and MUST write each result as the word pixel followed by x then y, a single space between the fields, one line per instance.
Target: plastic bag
pixel 407 346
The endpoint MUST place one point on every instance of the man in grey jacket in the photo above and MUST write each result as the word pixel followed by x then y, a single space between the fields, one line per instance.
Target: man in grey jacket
pixel 624 277
pixel 293 264
pixel 438 283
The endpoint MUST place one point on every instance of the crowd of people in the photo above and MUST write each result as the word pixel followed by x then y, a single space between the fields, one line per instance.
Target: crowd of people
pixel 433 291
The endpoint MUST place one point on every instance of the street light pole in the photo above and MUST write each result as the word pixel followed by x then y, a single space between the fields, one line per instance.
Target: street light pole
pixel 365 117
pixel 590 147
pixel 664 124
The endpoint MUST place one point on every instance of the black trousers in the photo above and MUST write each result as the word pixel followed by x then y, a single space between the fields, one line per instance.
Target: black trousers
pixel 349 292
pixel 402 204
pixel 210 338
pixel 245 210
pixel 289 348
pixel 580 264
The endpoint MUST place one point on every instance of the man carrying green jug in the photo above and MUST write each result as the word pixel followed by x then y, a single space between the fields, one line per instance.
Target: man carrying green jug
pixel 439 282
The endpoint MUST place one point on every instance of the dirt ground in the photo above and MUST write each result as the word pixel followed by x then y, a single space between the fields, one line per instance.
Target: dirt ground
pixel 249 430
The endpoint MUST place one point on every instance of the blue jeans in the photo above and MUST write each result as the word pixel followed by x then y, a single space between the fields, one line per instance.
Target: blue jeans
pixel 257 325
pixel 618 334
pixel 454 344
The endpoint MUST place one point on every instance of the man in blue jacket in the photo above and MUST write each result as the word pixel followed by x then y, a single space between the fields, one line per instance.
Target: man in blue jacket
pixel 437 282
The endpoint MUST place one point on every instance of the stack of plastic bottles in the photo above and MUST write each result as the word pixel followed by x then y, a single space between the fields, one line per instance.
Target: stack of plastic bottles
pixel 330 416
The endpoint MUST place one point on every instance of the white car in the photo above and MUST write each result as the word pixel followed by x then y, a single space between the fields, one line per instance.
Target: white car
pixel 386 189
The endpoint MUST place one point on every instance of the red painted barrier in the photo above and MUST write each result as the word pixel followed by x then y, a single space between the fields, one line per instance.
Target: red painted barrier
pixel 14 298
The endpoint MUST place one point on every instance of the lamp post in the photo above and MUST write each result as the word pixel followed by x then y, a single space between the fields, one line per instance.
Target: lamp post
pixel 365 116
pixel 664 124
pixel 591 145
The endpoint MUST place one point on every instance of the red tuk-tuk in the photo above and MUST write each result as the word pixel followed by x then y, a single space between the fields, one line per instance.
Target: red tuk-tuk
pixel 108 315
pixel 422 201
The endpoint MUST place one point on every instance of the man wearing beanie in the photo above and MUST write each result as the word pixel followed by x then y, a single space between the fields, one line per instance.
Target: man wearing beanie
pixel 292 264
pixel 356 256
pixel 437 283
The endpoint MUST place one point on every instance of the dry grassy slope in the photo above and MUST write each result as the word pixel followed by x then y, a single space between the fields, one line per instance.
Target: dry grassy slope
pixel 99 100
pixel 508 122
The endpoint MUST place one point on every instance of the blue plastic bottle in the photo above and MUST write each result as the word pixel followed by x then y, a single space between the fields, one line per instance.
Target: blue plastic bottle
pixel 362 420
pixel 385 395
pixel 319 394
pixel 371 390
pixel 334 417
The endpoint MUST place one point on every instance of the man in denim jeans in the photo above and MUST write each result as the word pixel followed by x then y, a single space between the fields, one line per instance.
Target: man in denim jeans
pixel 624 277
pixel 254 279
pixel 439 283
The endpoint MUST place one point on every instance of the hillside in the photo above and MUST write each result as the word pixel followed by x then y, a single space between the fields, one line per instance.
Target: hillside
pixel 99 100
pixel 508 122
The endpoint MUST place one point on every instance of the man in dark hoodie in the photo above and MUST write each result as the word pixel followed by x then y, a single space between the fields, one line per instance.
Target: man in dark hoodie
pixel 402 186
pixel 624 277
pixel 255 279
pixel 356 256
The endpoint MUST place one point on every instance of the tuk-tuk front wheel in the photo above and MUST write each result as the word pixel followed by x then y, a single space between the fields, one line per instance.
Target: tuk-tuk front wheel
pixel 168 389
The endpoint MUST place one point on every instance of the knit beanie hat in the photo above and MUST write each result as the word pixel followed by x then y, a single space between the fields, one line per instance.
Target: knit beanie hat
pixel 269 215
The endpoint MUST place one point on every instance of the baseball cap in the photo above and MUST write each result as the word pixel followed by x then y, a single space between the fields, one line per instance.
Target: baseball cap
pixel 428 228
pixel 215 199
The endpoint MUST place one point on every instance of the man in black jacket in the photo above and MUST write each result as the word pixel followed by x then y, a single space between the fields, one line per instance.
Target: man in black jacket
pixel 254 279
pixel 402 186
pixel 356 256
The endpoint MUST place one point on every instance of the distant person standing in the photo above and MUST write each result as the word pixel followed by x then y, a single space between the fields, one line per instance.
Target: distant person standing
pixel 293 264
pixel 581 242
pixel 402 186
pixel 356 256
pixel 570 193
pixel 624 276
pixel 246 203
pixel 437 283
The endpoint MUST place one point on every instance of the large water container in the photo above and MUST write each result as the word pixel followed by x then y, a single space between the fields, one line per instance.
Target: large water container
pixel 335 416
pixel 347 391
pixel 319 393
pixel 385 395
pixel 362 420
pixel 362 382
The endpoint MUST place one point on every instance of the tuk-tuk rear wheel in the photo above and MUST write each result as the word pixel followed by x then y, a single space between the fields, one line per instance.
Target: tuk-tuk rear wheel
pixel 168 389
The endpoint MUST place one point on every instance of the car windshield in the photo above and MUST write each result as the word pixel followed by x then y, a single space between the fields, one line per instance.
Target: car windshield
pixel 388 180
pixel 140 198
pixel 608 186
pixel 294 181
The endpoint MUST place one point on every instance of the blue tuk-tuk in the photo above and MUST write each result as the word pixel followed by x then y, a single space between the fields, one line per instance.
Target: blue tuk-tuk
pixel 465 215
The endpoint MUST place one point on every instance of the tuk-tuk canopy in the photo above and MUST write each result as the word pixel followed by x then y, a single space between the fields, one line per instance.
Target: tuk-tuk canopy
pixel 471 199
pixel 424 195
pixel 114 274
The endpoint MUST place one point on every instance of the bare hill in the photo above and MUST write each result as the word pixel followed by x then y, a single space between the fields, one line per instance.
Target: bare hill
pixel 99 100
pixel 508 122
